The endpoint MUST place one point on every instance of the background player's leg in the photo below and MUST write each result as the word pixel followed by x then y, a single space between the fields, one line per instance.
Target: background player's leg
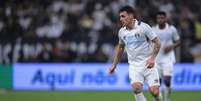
pixel 167 89
pixel 137 91
pixel 168 70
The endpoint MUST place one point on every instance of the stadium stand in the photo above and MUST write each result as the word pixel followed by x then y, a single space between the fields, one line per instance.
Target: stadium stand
pixel 86 30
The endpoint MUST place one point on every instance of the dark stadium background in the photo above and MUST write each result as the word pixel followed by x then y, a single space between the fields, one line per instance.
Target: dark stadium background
pixel 85 31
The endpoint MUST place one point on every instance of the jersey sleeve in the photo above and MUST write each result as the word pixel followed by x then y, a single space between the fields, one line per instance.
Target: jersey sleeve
pixel 175 35
pixel 120 39
pixel 149 32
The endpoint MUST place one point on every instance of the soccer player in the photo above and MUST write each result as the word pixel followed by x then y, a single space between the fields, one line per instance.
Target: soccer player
pixel 166 58
pixel 142 46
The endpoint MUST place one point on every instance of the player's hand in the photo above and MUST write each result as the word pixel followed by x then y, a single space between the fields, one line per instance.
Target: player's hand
pixel 150 62
pixel 111 69
pixel 168 49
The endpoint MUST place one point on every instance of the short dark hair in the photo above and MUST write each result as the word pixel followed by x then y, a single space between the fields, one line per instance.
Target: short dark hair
pixel 128 9
pixel 161 13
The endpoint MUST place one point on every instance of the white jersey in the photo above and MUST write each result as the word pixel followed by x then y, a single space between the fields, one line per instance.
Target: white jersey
pixel 137 43
pixel 167 36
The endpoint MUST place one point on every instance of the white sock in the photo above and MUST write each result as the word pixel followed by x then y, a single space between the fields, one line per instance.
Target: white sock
pixel 167 93
pixel 140 97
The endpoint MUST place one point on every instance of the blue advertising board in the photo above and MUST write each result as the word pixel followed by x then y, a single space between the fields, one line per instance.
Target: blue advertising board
pixel 93 77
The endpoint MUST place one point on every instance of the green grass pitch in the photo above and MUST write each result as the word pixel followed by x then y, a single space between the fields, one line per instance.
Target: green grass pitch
pixel 89 96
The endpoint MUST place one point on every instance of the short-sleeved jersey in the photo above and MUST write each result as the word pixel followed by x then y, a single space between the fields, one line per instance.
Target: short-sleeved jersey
pixel 167 37
pixel 137 43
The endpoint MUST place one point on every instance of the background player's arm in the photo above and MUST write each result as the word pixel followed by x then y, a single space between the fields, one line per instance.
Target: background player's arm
pixel 118 53
pixel 171 47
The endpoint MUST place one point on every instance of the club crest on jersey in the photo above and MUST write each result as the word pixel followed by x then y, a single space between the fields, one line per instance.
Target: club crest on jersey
pixel 137 35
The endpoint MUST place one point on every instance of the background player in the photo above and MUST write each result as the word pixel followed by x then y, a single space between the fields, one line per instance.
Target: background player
pixel 137 38
pixel 166 57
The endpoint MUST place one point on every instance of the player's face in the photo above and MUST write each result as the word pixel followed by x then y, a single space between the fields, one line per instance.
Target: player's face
pixel 125 18
pixel 161 19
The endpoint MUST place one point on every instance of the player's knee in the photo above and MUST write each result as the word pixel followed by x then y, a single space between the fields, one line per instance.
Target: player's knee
pixel 167 81
pixel 154 91
pixel 137 88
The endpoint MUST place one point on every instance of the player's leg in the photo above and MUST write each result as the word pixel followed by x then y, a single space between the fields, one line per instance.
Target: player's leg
pixel 137 79
pixel 152 78
pixel 137 91
pixel 167 71
pixel 155 92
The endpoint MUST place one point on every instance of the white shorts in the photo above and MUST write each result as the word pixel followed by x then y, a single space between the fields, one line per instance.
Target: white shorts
pixel 165 69
pixel 150 76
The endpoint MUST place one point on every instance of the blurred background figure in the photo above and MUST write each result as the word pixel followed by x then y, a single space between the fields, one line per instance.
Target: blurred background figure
pixel 166 58
pixel 87 27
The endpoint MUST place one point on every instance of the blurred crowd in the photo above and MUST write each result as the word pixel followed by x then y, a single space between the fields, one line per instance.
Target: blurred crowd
pixel 86 30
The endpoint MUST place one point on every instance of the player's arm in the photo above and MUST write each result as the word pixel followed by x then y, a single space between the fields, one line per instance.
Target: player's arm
pixel 151 35
pixel 157 45
pixel 118 53
pixel 173 46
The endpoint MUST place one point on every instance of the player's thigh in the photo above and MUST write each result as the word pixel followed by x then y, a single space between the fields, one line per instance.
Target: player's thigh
pixel 167 80
pixel 136 75
pixel 152 77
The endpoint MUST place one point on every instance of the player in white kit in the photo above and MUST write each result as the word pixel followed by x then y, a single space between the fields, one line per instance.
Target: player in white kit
pixel 166 57
pixel 142 46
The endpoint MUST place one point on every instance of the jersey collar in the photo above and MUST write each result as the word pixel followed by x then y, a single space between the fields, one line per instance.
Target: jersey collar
pixel 136 24
pixel 166 26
